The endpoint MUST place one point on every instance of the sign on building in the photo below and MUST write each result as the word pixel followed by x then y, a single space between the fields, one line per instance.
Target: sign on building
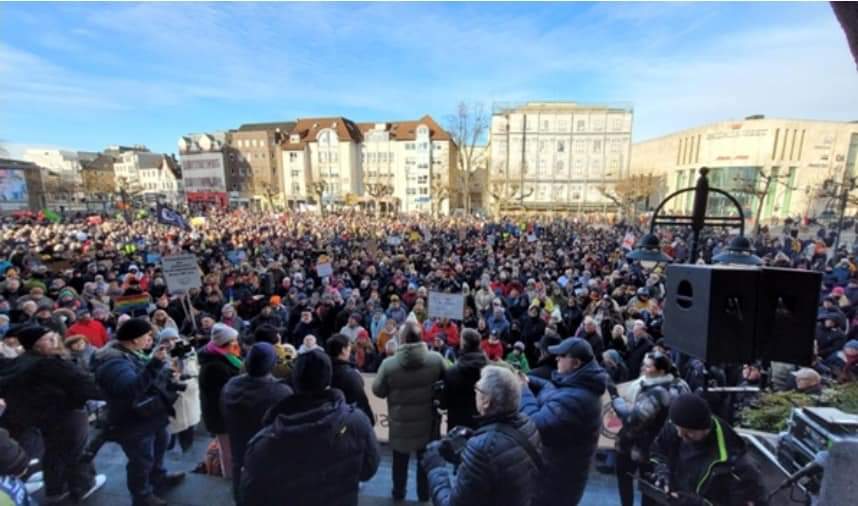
pixel 446 305
pixel 181 272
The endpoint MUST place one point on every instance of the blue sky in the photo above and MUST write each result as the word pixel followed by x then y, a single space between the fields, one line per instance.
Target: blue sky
pixel 85 76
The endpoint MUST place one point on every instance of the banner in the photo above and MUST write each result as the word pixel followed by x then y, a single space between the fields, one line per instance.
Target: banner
pixel 181 272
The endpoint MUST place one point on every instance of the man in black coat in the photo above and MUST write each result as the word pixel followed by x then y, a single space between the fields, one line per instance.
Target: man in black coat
pixel 460 379
pixel 315 447
pixel 532 330
pixel 500 463
pixel 699 458
pixel 640 343
pixel 345 377
pixel 245 400
pixel 44 391
pixel 547 362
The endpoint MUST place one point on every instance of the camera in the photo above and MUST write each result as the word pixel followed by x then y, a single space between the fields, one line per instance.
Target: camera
pixel 453 444
pixel 181 350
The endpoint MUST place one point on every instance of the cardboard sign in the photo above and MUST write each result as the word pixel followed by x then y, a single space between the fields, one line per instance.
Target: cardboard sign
pixel 181 272
pixel 531 238
pixel 446 305
pixel 394 240
pixel 324 270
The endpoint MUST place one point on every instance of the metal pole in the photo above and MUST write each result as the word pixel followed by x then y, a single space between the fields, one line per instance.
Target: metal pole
pixel 698 213
pixel 847 186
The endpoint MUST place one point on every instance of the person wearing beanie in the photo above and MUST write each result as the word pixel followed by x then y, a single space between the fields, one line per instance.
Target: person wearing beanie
pixel 245 400
pixel 327 432
pixel 344 375
pixel 219 361
pixel 140 394
pixel 45 392
pixel 844 363
pixel 700 459
pixel 567 412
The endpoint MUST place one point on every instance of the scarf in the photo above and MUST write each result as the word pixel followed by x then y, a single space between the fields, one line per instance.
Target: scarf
pixel 233 360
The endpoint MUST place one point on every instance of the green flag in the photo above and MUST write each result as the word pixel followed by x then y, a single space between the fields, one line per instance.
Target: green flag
pixel 51 216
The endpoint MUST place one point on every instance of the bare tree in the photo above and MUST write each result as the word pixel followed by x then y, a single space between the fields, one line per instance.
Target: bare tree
pixel 503 194
pixel 441 191
pixel 467 127
pixel 318 189
pixel 378 187
pixel 753 188
pixel 628 192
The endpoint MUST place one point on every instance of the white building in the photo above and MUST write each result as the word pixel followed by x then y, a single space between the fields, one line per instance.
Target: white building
pixel 416 158
pixel 558 155
pixel 163 181
pixel 63 163
pixel 205 165
pixel 130 164
pixel 344 160
pixel 797 156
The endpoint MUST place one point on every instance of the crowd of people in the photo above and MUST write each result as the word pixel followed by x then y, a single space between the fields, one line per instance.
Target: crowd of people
pixel 267 355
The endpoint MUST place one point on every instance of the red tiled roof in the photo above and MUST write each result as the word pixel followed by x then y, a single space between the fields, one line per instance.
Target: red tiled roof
pixel 407 130
pixel 308 129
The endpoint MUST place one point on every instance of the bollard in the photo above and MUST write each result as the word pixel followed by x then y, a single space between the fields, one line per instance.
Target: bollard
pixel 839 487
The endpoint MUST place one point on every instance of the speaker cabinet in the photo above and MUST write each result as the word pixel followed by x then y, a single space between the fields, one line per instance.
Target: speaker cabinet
pixel 709 312
pixel 786 314
pixel 735 314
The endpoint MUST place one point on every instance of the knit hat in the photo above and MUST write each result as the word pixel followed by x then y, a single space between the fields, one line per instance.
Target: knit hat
pixel 28 336
pixel 260 360
pixel 312 372
pixel 838 291
pixel 275 300
pixel 132 329
pixel 852 344
pixel 168 333
pixel 223 334
pixel 690 411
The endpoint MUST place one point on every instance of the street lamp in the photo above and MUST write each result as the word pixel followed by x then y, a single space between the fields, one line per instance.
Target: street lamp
pixel 648 250
pixel 738 252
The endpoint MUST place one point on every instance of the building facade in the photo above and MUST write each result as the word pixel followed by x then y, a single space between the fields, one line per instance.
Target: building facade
pixel 21 186
pixel 401 166
pixel 130 164
pixel 416 159
pixel 557 155
pixel 99 181
pixel 795 158
pixel 206 169
pixel 258 161
pixel 66 165
pixel 162 183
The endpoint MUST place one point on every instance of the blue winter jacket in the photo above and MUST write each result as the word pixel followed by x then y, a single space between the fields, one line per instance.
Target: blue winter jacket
pixel 567 412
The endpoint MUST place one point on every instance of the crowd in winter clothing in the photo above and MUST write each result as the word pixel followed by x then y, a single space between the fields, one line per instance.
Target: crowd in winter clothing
pixel 166 363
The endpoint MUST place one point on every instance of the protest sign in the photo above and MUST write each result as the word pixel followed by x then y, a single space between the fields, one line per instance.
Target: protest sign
pixel 181 272
pixel 323 267
pixel 446 305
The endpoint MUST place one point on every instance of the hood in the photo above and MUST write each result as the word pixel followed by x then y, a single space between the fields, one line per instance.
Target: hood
pixel 590 376
pixel 412 355
pixel 301 414
pixel 472 360
pixel 110 351
pixel 661 380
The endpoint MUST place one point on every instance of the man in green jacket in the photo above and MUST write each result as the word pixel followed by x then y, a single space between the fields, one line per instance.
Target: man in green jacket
pixel 406 380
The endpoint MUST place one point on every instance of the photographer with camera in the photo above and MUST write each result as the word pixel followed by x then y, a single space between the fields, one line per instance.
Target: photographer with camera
pixel 498 463
pixel 140 393
pixel 700 460
pixel 643 419
pixel 184 361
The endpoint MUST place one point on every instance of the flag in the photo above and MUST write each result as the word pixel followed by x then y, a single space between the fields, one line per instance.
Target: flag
pixel 132 304
pixel 168 216
pixel 51 216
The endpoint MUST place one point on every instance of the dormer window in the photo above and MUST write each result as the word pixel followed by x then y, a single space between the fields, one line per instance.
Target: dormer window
pixel 294 138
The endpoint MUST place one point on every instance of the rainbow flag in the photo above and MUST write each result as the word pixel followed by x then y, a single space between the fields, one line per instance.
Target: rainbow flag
pixel 132 304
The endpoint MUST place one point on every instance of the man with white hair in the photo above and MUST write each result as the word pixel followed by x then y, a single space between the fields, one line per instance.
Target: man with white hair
pixel 500 462
pixel 640 343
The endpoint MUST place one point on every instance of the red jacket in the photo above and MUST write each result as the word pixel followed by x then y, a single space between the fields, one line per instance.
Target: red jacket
pixel 93 330
pixel 492 350
pixel 451 331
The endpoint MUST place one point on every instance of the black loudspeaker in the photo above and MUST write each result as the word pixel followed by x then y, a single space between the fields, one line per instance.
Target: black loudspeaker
pixel 709 311
pixel 786 317
pixel 735 314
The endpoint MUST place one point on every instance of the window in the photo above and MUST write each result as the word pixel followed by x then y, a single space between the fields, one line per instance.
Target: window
pixel 296 173
pixel 558 167
pixel 597 146
pixel 438 146
pixel 617 124
pixel 422 165
pixel 545 124
pixel 541 146
pixel 333 156
pixel 293 156
pixel 422 180
pixel 424 146
pixel 424 191
pixel 561 146
pixel 580 146
pixel 562 125
pixel 296 188
pixel 581 125
pixel 411 191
